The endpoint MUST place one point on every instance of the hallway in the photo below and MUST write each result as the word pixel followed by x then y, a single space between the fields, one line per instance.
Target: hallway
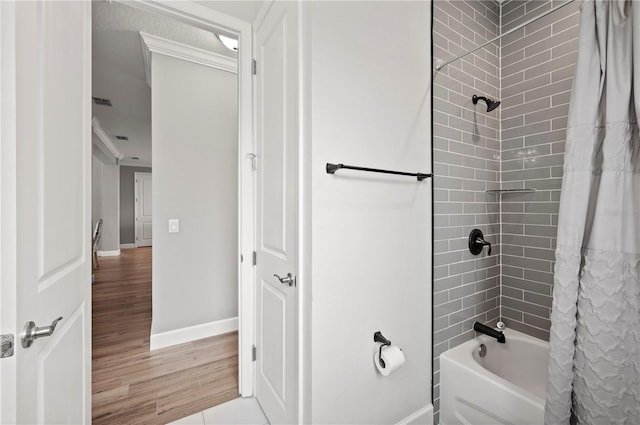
pixel 132 385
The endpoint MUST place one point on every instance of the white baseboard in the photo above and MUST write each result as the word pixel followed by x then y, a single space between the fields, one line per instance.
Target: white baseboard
pixel 423 416
pixel 114 253
pixel 127 245
pixel 192 333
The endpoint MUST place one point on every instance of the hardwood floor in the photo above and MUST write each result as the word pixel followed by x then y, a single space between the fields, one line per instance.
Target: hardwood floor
pixel 132 385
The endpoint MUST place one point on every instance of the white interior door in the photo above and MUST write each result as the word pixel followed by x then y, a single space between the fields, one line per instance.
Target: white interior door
pixel 277 230
pixel 143 209
pixel 49 382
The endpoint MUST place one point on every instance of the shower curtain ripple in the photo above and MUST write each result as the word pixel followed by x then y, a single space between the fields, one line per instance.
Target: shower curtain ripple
pixel 594 364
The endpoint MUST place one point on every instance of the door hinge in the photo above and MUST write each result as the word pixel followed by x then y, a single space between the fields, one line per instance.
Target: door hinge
pixel 254 161
pixel 254 67
pixel 6 344
pixel 254 353
pixel 255 258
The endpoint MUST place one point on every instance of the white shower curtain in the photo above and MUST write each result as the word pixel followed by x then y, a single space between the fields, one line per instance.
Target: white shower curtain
pixel 594 366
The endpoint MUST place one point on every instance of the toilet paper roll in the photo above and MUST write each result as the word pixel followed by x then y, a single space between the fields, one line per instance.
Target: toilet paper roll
pixel 392 357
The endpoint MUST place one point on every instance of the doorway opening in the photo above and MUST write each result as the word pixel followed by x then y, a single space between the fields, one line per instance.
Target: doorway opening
pixel 161 78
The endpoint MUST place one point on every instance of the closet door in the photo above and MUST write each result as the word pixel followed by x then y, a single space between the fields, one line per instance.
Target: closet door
pixel 144 216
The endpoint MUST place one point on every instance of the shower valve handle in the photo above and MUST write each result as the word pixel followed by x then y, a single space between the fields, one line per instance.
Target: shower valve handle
pixel 484 243
pixel 477 242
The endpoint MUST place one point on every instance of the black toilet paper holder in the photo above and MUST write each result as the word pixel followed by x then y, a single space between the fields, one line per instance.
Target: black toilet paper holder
pixel 384 342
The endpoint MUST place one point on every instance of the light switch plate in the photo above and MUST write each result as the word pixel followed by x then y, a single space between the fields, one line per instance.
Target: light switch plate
pixel 174 225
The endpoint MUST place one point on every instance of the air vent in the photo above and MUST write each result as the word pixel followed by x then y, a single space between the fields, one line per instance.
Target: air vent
pixel 101 101
pixel 122 138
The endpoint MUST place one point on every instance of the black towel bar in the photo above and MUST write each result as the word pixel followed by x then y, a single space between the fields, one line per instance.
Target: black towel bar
pixel 332 168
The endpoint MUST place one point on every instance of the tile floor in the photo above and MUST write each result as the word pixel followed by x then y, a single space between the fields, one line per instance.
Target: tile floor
pixel 241 411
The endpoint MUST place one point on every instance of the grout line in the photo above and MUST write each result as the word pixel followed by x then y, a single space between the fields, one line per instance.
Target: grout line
pixel 527 15
pixel 540 63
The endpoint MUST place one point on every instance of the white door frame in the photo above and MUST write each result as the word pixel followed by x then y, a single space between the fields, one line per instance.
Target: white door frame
pixel 8 201
pixel 214 21
pixel 135 208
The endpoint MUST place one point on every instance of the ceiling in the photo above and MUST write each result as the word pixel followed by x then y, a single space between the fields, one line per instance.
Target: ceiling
pixel 118 67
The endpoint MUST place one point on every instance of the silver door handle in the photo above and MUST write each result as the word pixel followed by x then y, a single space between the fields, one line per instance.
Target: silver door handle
pixel 31 332
pixel 289 279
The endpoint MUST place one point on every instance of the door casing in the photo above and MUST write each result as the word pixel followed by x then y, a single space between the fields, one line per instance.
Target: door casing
pixel 216 22
pixel 8 200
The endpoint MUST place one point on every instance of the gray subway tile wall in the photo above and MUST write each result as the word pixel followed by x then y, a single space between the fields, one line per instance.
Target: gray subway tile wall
pixel 519 145
pixel 536 80
pixel 466 163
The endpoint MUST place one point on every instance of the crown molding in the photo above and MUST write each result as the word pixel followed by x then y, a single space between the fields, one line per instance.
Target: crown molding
pixel 105 139
pixel 134 163
pixel 163 46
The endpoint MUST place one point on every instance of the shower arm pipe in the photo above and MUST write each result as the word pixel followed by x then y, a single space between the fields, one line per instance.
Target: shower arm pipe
pixel 439 66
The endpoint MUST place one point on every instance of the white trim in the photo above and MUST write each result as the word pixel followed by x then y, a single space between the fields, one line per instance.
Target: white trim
pixel 211 20
pixel 8 209
pixel 192 333
pixel 113 253
pixel 423 416
pixel 305 169
pixel 134 163
pixel 127 245
pixel 105 139
pixel 164 46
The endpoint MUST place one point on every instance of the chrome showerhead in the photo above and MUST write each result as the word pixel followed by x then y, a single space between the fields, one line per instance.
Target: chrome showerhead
pixel 491 104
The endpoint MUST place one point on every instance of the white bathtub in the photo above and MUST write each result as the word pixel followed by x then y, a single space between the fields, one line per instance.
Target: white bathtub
pixel 507 386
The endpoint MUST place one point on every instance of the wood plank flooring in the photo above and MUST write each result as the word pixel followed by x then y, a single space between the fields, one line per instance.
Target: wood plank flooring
pixel 132 385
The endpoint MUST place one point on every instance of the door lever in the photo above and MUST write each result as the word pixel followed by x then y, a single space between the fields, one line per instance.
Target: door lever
pixel 484 243
pixel 31 332
pixel 287 280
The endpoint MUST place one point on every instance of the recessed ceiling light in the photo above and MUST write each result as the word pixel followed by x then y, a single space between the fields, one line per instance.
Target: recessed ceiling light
pixel 229 43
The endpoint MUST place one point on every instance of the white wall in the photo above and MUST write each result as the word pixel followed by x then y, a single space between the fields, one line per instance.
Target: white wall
pixel 195 155
pixel 106 203
pixel 371 234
